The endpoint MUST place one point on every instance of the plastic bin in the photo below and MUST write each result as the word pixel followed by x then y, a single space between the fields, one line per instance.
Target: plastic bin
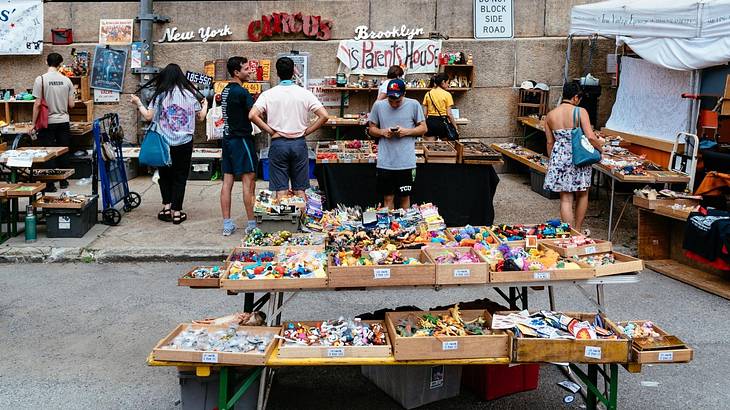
pixel 274 223
pixel 414 386
pixel 536 181
pixel 202 392
pixel 71 223
pixel 493 381
pixel 201 169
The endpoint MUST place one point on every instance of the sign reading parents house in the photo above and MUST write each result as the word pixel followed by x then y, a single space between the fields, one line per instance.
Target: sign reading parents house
pixel 493 19
pixel 374 57
pixel 21 27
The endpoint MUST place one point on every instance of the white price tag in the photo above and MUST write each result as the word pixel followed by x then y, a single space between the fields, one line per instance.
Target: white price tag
pixel 382 273
pixel 462 273
pixel 593 352
pixel 210 357
pixel 591 249
pixel 64 222
pixel 666 356
pixel 541 275
pixel 452 345
pixel 336 352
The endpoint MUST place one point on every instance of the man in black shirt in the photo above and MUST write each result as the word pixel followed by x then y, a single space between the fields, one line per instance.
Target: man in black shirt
pixel 239 152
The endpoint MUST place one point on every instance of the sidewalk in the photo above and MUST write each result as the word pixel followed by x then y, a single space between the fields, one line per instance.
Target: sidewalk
pixel 140 236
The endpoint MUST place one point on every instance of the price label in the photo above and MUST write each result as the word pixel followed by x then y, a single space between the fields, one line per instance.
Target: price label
pixel 666 356
pixel 591 249
pixel 462 273
pixel 383 273
pixel 541 275
pixel 338 352
pixel 210 357
pixel 593 352
pixel 453 345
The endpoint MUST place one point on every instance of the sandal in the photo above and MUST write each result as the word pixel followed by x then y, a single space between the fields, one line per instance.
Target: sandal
pixel 165 215
pixel 180 218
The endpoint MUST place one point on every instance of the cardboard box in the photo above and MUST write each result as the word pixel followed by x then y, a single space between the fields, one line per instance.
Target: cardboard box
pixel 194 356
pixel 384 275
pixel 495 345
pixel 334 352
pixel 462 273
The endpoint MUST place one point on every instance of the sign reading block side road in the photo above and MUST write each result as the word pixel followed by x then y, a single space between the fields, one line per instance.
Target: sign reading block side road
pixel 493 18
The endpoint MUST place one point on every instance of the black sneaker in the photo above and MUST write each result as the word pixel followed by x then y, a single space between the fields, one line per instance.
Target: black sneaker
pixel 63 184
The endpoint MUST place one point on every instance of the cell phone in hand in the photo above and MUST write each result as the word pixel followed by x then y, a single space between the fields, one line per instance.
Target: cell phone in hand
pixel 393 129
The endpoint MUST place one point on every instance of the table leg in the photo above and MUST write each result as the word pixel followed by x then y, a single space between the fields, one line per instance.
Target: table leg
pixel 610 398
pixel 610 209
pixel 248 302
pixel 223 388
pixel 551 297
pixel 523 297
pixel 14 217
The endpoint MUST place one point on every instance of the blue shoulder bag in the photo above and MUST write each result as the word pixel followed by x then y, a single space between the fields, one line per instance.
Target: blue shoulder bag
pixel 155 152
pixel 584 153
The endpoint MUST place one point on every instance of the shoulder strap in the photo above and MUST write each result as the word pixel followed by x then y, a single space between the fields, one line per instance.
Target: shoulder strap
pixel 576 117
pixel 43 88
pixel 434 104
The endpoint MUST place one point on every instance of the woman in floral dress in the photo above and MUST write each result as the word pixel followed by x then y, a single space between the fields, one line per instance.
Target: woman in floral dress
pixel 570 181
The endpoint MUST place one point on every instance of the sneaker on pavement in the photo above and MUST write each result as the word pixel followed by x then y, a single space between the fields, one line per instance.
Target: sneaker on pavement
pixel 250 227
pixel 228 228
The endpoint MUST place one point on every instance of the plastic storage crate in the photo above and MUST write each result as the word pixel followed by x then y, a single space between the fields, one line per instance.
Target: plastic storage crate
pixel 274 223
pixel 536 181
pixel 202 169
pixel 414 386
pixel 494 381
pixel 71 223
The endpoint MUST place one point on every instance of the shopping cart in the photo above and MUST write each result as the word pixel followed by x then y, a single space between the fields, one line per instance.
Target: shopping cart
pixel 108 168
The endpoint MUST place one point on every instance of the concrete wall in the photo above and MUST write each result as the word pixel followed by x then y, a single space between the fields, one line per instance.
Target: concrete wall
pixel 537 52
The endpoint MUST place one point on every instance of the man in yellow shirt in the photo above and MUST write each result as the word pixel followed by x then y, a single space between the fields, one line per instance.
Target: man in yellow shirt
pixel 437 107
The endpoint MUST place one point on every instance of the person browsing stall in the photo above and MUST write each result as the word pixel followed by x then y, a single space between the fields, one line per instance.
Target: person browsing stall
pixel 174 107
pixel 572 182
pixel 58 91
pixel 397 121
pixel 287 108
pixel 437 104
pixel 239 152
pixel 395 71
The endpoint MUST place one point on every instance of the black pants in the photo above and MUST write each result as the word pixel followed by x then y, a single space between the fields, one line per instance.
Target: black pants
pixel 56 135
pixel 174 178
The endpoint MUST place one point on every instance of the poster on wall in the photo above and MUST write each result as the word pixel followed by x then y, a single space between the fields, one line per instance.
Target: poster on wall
pixel 326 98
pixel 108 70
pixel 21 27
pixel 374 57
pixel 301 67
pixel 116 32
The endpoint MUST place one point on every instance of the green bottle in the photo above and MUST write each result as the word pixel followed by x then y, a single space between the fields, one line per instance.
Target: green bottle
pixel 30 224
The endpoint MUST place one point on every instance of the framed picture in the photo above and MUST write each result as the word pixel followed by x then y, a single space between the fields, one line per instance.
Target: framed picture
pixel 116 31
pixel 301 68
pixel 108 70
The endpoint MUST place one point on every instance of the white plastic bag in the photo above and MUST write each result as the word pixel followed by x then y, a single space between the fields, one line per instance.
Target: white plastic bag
pixel 214 122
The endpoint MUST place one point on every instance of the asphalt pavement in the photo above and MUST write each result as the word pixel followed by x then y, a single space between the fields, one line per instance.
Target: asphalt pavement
pixel 75 336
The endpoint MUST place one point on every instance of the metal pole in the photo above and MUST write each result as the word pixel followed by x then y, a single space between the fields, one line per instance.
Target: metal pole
pixel 610 209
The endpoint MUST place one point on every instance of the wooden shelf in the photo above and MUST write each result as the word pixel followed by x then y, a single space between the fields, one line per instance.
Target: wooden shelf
pixel 356 89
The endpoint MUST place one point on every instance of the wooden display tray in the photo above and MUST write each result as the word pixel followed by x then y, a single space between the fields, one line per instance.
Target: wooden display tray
pixel 537 350
pixel 649 179
pixel 387 275
pixel 198 283
pixel 60 177
pixel 624 264
pixel 458 274
pixel 14 193
pixel 332 352
pixel 450 235
pixel 267 284
pixel 60 205
pixel 490 157
pixel 669 177
pixel 496 345
pixel 599 247
pixel 672 213
pixel 192 356
pixel 432 154
pixel 541 276
pixel 652 204
pixel 642 354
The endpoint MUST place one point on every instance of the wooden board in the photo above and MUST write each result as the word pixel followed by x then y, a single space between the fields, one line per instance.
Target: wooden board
pixel 680 354
pixel 714 284
pixel 384 275
pixel 458 274
pixel 198 283
pixel 59 177
pixel 333 352
pixel 537 350
pixel 192 356
pixel 624 264
pixel 599 247
pixel 520 159
pixel 496 345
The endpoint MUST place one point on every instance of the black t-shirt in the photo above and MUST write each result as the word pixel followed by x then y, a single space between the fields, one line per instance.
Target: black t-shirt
pixel 706 235
pixel 236 102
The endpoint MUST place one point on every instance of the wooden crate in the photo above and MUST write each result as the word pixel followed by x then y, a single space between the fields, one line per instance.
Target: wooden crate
pixel 598 247
pixel 266 284
pixel 652 204
pixel 682 354
pixel 439 152
pixel 457 274
pixel 532 102
pixel 496 345
pixel 332 352
pixel 383 275
pixel 537 350
pixel 198 283
pixel 193 356
pixel 624 264
pixel 15 193
pixel 667 210
pixel 58 177
pixel 83 85
pixel 541 276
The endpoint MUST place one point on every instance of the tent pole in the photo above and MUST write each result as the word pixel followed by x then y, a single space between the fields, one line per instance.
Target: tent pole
pixel 567 59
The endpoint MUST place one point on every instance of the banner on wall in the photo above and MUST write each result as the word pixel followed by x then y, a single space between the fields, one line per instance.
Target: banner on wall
pixel 21 27
pixel 374 57
pixel 326 98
